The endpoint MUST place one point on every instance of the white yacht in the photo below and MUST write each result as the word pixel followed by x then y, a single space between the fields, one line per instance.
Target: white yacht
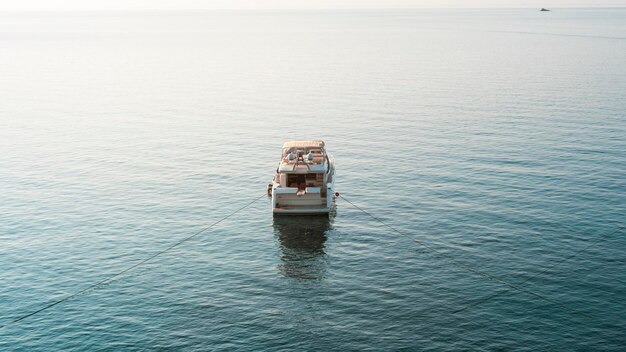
pixel 304 179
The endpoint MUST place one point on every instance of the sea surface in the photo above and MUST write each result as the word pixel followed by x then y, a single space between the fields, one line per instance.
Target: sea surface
pixel 490 143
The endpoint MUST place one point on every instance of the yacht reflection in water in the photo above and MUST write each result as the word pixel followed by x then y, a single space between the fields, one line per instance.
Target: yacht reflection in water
pixel 302 241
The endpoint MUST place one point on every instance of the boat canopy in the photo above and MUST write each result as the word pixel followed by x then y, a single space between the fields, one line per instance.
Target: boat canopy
pixel 303 156
pixel 304 144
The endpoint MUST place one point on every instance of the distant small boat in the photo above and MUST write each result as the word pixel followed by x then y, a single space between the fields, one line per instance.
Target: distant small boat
pixel 544 9
pixel 304 179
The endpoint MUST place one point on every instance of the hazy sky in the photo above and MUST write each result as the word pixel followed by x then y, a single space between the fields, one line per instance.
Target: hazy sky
pixel 288 4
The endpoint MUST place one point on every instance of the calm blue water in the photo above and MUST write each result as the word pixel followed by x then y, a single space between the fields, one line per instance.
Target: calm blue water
pixel 496 137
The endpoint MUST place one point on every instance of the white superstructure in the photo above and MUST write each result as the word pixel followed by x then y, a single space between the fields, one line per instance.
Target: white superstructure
pixel 304 179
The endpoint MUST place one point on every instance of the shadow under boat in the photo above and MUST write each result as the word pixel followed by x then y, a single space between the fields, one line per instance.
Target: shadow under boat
pixel 302 242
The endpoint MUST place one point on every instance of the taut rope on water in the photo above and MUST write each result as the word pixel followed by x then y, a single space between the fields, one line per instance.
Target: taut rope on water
pixel 491 277
pixel 593 243
pixel 143 261
pixel 448 257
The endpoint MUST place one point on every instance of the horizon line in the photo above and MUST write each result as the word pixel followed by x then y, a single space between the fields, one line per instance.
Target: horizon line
pixel 314 9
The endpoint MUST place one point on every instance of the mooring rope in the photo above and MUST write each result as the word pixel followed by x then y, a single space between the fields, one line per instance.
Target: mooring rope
pixel 451 260
pixel 593 243
pixel 454 262
pixel 143 261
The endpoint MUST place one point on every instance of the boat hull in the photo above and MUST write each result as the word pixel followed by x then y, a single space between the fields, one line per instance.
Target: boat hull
pixel 321 211
pixel 306 204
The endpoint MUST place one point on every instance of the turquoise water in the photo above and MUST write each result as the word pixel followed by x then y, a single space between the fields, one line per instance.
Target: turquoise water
pixel 495 137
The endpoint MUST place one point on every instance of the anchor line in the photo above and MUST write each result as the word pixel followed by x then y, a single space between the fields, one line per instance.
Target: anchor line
pixel 563 260
pixel 132 267
pixel 456 263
